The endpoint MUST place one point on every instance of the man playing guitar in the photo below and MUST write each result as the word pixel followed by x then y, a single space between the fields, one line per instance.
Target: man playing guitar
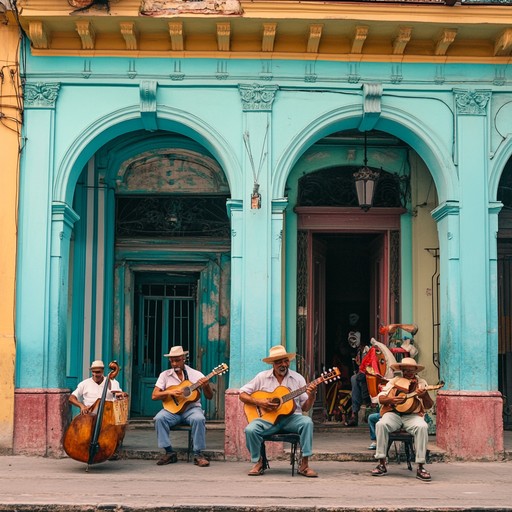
pixel 296 423
pixel 392 397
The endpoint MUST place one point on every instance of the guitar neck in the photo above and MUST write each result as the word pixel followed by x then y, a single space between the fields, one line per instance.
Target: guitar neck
pixel 197 384
pixel 428 388
pixel 293 394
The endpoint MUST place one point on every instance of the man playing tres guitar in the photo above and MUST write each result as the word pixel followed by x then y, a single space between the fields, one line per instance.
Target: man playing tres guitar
pixel 297 423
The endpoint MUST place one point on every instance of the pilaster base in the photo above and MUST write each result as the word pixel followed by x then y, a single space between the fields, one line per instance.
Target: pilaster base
pixel 470 424
pixel 234 437
pixel 41 417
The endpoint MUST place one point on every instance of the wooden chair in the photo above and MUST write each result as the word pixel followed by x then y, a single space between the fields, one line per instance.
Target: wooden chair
pixel 295 449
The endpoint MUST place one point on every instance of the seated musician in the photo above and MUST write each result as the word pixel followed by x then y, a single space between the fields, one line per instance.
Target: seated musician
pixel 296 423
pixel 168 385
pixel 91 389
pixel 412 419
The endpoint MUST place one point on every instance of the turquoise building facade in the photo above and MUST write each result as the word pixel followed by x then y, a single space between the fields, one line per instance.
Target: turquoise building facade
pixel 154 183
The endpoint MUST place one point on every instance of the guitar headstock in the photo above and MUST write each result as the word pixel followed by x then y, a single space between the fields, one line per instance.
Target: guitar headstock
pixel 331 375
pixel 219 370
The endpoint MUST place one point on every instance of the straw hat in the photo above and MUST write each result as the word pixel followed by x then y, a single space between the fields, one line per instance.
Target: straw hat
pixel 176 351
pixel 408 361
pixel 97 364
pixel 278 352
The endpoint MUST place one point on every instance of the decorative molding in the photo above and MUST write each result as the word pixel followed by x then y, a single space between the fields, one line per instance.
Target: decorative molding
pixel 61 212
pixel 38 35
pixel 269 35
pixel 199 7
pixel 445 40
pixel 315 34
pixel 445 209
pixel 360 35
pixel 257 98
pixel 401 40
pixel 372 97
pixel 41 95
pixel 503 44
pixel 87 35
pixel 472 102
pixel 223 36
pixel 147 90
pixel 129 34
pixel 176 33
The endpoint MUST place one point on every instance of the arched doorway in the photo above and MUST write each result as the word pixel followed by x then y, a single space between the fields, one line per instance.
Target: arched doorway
pixel 151 261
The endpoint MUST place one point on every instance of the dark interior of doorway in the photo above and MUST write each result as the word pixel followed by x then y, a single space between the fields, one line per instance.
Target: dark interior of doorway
pixel 348 288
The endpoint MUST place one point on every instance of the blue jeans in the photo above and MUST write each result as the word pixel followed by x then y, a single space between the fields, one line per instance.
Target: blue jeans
pixel 372 420
pixel 359 391
pixel 293 424
pixel 193 416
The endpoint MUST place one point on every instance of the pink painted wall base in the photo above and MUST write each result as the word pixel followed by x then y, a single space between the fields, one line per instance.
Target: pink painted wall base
pixel 41 417
pixel 470 424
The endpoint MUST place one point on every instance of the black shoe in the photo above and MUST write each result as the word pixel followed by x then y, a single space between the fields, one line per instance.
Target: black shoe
pixel 167 458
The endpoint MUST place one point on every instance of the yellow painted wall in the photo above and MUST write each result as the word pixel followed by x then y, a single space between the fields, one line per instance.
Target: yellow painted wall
pixel 10 127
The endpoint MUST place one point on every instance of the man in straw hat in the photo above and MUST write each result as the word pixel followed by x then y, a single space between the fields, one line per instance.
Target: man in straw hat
pixel 412 421
pixel 296 423
pixel 192 415
pixel 91 389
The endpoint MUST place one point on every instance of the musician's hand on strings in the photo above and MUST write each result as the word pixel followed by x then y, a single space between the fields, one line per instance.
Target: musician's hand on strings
pixel 311 389
pixel 202 382
pixel 177 392
pixel 269 404
pixel 84 409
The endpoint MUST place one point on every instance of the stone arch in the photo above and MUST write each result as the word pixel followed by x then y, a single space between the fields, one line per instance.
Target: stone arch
pixel 127 120
pixel 394 121
pixel 501 157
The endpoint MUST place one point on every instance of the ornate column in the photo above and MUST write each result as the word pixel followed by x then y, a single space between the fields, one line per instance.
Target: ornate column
pixel 41 410
pixel 468 345
pixel 254 299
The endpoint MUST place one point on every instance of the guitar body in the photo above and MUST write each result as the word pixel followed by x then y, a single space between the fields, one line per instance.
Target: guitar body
pixel 285 409
pixel 177 404
pixel 409 405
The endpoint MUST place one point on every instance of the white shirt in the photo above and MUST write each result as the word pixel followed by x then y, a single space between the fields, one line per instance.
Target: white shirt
pixel 88 391
pixel 266 381
pixel 170 378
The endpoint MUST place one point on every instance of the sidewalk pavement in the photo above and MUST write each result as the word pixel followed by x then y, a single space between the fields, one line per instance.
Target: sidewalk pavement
pixel 138 484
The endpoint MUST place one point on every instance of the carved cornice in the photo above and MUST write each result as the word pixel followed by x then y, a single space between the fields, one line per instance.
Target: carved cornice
pixel 472 102
pixel 41 95
pixel 257 98
pixel 401 40
pixel 147 92
pixel 375 31
pixel 360 36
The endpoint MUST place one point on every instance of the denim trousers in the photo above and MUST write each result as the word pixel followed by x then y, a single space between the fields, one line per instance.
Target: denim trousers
pixel 293 424
pixel 193 416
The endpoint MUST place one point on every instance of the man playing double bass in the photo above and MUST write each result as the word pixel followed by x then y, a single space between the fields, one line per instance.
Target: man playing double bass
pixel 296 423
pixel 392 396
pixel 89 390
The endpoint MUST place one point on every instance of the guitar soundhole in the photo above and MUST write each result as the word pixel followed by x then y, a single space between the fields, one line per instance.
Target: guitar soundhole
pixel 276 401
pixel 186 392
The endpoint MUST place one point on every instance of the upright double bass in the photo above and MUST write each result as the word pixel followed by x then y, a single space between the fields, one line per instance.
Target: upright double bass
pixel 94 437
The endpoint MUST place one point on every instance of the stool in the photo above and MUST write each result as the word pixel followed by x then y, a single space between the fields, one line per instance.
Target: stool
pixel 408 441
pixel 185 428
pixel 295 449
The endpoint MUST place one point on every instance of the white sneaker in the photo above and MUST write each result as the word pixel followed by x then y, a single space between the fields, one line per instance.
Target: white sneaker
pixel 373 446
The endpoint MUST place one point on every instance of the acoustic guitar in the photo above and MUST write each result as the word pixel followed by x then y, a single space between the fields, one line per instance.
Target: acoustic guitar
pixel 411 402
pixel 176 404
pixel 284 398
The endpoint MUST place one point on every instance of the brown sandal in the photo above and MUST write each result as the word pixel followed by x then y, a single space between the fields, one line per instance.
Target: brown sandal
pixel 379 470
pixel 307 472
pixel 257 469
pixel 423 475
